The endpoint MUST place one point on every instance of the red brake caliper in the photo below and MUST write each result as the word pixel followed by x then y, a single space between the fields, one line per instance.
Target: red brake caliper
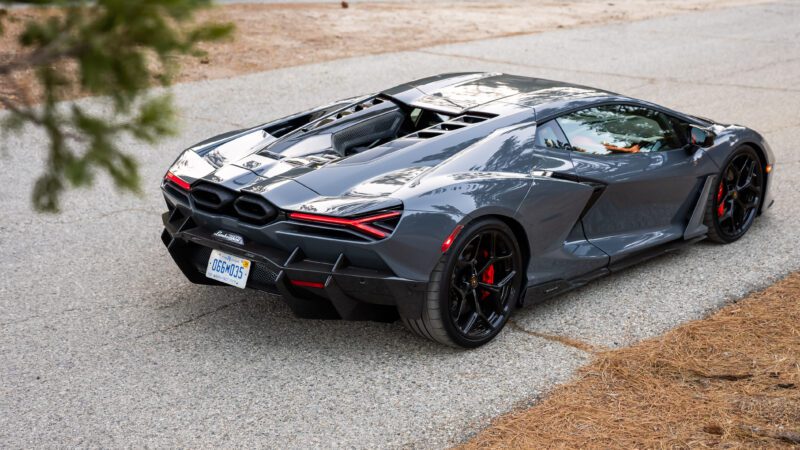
pixel 487 277
pixel 721 207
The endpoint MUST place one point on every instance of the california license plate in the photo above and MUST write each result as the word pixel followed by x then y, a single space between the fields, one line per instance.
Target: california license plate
pixel 228 269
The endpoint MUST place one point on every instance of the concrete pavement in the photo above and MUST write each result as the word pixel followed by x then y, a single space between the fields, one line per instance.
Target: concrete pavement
pixel 103 343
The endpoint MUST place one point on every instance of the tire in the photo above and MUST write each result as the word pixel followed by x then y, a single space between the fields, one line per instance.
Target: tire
pixel 731 208
pixel 445 306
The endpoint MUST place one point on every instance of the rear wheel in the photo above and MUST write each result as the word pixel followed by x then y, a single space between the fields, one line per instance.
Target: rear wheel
pixel 473 288
pixel 736 197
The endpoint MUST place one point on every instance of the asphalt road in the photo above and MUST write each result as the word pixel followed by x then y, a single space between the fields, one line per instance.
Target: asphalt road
pixel 103 343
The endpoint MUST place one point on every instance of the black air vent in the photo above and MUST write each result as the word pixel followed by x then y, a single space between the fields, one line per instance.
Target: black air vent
pixel 211 197
pixel 429 133
pixel 219 200
pixel 453 124
pixel 253 209
pixel 472 118
pixel 367 132
pixel 175 190
pixel 450 126
pixel 346 112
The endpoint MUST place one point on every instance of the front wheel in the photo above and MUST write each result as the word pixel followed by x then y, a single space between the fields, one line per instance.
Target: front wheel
pixel 473 288
pixel 737 195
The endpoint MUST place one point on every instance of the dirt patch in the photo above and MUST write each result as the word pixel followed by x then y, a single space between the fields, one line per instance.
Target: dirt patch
pixel 271 36
pixel 564 340
pixel 729 381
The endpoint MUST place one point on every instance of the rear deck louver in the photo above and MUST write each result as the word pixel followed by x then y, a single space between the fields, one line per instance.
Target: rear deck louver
pixel 455 123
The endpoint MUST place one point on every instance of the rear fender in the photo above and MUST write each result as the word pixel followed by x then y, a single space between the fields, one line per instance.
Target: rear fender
pixel 443 203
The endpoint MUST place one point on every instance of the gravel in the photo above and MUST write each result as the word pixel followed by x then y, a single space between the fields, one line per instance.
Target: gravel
pixel 103 343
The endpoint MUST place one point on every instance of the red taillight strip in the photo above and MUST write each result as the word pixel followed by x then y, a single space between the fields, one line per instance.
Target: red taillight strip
pixel 361 224
pixel 175 179
pixel 311 284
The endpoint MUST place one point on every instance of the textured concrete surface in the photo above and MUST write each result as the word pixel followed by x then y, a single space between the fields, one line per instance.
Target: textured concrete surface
pixel 103 343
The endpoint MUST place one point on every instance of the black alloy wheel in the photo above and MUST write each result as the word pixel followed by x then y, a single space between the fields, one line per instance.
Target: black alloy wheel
pixel 481 284
pixel 474 288
pixel 737 197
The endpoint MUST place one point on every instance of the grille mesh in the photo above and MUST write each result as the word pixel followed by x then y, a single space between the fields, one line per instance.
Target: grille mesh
pixel 263 273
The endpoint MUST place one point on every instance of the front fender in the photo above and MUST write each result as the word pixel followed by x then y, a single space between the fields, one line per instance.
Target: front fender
pixel 731 137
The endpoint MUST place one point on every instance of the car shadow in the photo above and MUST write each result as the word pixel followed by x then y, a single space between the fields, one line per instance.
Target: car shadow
pixel 656 295
pixel 616 310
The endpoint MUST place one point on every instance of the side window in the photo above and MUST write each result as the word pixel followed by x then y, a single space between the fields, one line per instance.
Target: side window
pixel 617 129
pixel 549 135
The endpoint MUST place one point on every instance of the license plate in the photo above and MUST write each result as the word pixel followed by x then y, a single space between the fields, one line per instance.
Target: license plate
pixel 228 269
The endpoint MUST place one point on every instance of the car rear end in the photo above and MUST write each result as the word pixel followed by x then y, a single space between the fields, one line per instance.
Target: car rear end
pixel 322 265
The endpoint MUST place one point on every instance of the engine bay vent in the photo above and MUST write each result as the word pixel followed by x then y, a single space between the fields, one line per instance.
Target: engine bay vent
pixel 346 112
pixel 455 123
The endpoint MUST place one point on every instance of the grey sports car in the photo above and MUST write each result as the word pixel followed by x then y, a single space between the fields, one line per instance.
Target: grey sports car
pixel 449 201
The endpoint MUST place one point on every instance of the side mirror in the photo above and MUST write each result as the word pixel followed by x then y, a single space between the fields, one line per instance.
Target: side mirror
pixel 701 137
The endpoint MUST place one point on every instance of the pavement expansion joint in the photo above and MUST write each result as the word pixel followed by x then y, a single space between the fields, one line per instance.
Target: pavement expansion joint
pixel 564 340
pixel 649 80
pixel 534 66
pixel 189 320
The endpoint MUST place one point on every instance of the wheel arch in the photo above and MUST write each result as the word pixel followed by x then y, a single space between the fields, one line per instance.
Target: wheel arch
pixel 519 234
pixel 762 157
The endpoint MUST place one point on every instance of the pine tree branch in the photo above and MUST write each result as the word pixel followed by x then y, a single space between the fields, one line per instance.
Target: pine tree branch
pixel 44 56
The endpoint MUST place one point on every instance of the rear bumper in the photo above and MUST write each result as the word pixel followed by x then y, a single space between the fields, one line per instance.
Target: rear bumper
pixel 347 291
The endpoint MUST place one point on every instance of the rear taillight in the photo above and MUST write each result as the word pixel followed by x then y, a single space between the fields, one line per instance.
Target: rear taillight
pixel 177 180
pixel 308 284
pixel 375 225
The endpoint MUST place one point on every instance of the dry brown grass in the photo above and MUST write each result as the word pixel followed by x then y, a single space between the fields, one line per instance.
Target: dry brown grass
pixel 729 381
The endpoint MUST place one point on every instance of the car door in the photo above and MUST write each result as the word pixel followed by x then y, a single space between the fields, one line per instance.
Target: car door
pixel 650 182
pixel 551 214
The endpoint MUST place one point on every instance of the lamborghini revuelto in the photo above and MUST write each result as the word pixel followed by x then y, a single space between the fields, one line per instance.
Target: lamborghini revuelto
pixel 449 201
